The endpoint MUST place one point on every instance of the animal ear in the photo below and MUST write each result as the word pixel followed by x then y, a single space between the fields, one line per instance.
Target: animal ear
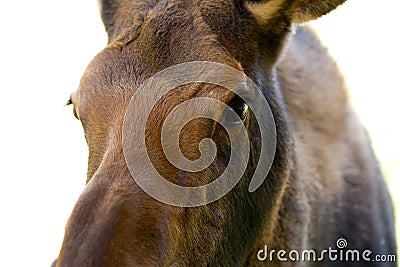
pixel 298 10
pixel 305 10
pixel 108 9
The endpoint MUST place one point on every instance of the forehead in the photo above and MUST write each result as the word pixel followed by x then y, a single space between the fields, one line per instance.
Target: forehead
pixel 166 36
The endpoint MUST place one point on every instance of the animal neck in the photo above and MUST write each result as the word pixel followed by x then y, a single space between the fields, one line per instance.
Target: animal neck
pixel 283 170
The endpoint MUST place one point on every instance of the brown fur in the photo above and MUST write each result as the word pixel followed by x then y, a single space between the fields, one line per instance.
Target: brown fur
pixel 324 183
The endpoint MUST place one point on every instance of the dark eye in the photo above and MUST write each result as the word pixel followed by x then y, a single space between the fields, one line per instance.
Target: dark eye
pixel 75 114
pixel 69 102
pixel 239 107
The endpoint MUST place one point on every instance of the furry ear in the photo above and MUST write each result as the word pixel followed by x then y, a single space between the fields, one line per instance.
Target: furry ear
pixel 298 10
pixel 108 9
pixel 305 10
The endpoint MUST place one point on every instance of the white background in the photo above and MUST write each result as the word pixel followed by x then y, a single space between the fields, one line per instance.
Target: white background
pixel 44 48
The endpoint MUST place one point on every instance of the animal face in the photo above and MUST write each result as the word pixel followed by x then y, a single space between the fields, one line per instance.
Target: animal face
pixel 114 222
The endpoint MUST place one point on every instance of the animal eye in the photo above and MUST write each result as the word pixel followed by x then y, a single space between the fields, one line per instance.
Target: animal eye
pixel 75 114
pixel 69 102
pixel 239 107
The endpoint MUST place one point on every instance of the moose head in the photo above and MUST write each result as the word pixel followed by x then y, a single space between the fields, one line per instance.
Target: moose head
pixel 116 223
